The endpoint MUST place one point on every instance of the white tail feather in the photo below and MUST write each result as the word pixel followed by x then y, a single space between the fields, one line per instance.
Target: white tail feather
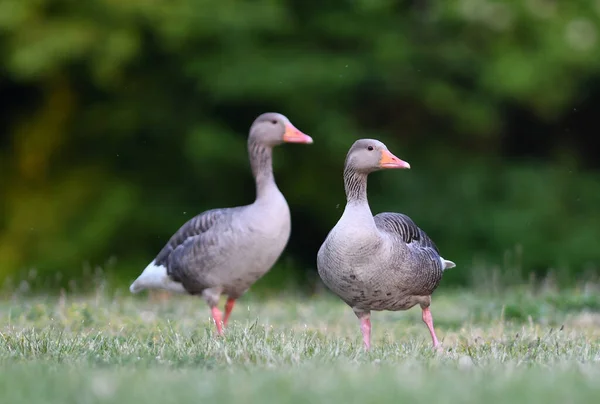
pixel 447 264
pixel 155 277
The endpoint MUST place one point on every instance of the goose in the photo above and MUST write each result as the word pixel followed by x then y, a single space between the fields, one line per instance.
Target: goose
pixel 382 262
pixel 224 251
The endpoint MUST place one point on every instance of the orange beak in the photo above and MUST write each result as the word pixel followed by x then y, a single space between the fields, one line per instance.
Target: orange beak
pixel 293 135
pixel 388 160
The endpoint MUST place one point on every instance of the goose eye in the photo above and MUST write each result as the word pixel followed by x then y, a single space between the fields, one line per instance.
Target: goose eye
pixel 370 148
pixel 274 122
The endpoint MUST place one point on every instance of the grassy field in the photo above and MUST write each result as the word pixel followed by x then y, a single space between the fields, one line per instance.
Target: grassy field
pixel 506 347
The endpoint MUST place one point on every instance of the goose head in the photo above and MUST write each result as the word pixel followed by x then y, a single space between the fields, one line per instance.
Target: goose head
pixel 272 129
pixel 368 155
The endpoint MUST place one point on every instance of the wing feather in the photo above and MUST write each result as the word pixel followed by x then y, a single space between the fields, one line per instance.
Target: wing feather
pixel 404 227
pixel 186 249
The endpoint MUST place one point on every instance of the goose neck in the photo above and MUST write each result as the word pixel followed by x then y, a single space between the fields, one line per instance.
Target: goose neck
pixel 355 185
pixel 261 162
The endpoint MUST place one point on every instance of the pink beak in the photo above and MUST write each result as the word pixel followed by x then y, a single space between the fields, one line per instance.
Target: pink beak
pixel 388 160
pixel 293 135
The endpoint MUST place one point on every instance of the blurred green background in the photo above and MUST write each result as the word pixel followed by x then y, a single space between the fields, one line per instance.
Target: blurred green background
pixel 123 119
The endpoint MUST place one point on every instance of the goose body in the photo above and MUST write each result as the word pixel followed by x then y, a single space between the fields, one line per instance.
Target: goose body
pixel 382 262
pixel 224 251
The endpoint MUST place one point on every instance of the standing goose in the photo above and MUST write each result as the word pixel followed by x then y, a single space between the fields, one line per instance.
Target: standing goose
pixel 378 263
pixel 224 251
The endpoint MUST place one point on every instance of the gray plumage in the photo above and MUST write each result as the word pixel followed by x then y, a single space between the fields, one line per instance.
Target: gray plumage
pixel 224 251
pixel 377 263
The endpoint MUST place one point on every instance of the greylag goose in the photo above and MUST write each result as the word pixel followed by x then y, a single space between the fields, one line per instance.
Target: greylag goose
pixel 378 263
pixel 224 251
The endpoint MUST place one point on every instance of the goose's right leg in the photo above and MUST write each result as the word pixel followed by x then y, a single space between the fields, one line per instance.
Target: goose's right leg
pixel 365 326
pixel 228 307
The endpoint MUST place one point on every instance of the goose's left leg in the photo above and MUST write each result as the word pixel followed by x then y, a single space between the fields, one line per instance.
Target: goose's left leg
pixel 211 296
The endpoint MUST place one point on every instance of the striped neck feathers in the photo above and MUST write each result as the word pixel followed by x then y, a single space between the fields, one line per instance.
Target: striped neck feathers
pixel 261 162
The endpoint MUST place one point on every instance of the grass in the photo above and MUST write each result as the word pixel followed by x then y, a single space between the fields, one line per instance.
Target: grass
pixel 510 347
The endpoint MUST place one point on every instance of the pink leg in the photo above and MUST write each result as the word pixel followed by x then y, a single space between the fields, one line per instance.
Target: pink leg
pixel 216 313
pixel 228 307
pixel 427 319
pixel 365 328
